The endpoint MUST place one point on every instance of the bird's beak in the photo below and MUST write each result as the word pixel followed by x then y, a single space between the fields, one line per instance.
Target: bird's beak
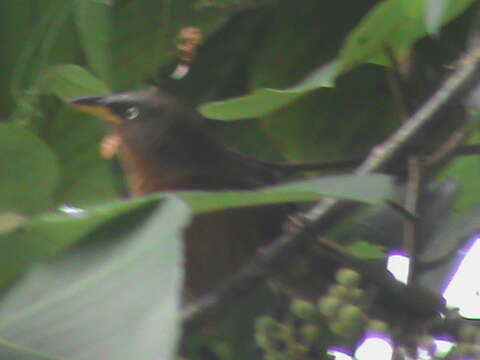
pixel 96 105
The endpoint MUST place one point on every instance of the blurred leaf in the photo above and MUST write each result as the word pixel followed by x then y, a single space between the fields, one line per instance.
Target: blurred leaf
pixel 393 24
pixel 374 188
pixel 263 101
pixel 434 14
pixel 328 123
pixel 28 171
pixel 365 188
pixel 44 43
pixel 47 235
pixel 370 189
pixel 366 251
pixel 44 34
pixel 93 20
pixel 466 170
pixel 117 299
pixel 16 28
pixel 70 81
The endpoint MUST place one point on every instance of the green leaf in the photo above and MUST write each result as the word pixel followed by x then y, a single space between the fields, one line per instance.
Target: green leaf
pixel 263 101
pixel 93 20
pixel 116 299
pixel 374 188
pixel 466 170
pixel 365 188
pixel 28 171
pixel 49 37
pixel 393 24
pixel 70 81
pixel 47 235
pixel 366 251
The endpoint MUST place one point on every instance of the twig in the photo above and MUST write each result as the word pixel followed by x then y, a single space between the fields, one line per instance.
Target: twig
pixel 402 211
pixel 384 152
pixel 450 147
pixel 411 205
pixel 252 273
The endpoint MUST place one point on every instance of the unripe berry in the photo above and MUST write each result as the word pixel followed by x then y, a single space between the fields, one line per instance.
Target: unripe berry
pixel 348 277
pixel 329 306
pixel 303 309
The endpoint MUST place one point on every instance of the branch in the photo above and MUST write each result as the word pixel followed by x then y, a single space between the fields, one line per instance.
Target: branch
pixel 414 187
pixel 320 215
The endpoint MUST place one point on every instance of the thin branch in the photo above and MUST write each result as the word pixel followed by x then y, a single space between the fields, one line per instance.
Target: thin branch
pixel 411 205
pixel 402 211
pixel 449 148
pixel 251 274
pixel 384 152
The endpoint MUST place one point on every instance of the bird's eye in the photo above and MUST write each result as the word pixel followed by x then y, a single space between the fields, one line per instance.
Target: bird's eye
pixel 132 113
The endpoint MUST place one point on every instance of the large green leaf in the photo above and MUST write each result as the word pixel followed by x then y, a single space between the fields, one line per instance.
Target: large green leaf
pixel 28 171
pixel 93 20
pixel 466 170
pixel 75 137
pixel 47 235
pixel 114 299
pixel 393 24
pixel 44 34
pixel 263 101
pixel 366 251
pixel 50 39
pixel 17 27
pixel 70 81
pixel 365 188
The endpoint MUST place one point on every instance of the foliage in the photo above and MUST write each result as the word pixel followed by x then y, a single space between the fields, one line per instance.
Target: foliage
pixel 312 73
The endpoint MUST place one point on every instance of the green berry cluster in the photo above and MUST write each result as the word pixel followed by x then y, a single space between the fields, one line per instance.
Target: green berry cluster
pixel 310 328
pixel 341 305
pixel 299 337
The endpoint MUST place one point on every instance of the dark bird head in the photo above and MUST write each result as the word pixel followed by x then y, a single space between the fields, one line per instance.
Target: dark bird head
pixel 122 111
pixel 149 122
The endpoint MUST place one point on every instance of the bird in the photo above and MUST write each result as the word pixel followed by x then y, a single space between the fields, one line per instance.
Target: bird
pixel 162 146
